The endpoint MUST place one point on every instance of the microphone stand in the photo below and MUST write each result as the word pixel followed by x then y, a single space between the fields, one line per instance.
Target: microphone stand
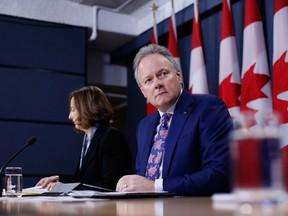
pixel 29 142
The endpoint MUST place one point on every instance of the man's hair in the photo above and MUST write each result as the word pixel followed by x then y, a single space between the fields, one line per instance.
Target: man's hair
pixel 153 49
pixel 92 106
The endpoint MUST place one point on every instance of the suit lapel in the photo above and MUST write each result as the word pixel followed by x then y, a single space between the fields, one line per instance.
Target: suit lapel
pixel 181 113
pixel 93 147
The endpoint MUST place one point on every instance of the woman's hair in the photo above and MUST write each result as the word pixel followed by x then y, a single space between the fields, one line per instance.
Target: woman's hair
pixel 153 49
pixel 92 106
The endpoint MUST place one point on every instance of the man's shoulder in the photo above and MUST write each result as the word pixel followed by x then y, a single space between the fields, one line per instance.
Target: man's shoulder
pixel 203 98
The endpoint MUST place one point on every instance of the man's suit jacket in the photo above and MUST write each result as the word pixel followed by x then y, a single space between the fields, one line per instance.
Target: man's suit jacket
pixel 108 158
pixel 196 157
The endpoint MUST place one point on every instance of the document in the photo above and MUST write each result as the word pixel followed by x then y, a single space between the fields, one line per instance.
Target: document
pixel 37 190
pixel 78 190
pixel 62 189
pixel 59 189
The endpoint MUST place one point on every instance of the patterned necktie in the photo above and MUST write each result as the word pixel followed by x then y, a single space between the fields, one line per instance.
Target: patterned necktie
pixel 156 154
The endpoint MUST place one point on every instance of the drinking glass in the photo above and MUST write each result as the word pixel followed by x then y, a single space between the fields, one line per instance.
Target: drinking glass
pixel 256 159
pixel 13 181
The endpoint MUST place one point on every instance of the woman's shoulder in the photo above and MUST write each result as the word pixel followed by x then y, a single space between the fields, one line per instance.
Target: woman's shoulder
pixel 110 130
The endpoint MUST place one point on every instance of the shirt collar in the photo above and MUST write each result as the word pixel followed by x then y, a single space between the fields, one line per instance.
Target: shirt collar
pixel 172 108
pixel 93 131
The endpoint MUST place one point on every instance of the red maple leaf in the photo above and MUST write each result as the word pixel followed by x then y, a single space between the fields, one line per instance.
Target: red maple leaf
pixel 252 84
pixel 280 84
pixel 230 92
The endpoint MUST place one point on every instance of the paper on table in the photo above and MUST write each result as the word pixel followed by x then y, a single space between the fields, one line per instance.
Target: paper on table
pixel 37 190
pixel 59 189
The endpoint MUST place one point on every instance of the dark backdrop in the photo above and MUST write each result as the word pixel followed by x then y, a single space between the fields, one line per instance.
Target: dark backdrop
pixel 40 64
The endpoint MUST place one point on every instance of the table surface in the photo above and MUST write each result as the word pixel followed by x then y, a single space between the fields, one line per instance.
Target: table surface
pixel 182 206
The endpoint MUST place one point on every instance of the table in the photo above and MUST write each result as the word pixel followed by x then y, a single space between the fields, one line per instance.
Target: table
pixel 182 206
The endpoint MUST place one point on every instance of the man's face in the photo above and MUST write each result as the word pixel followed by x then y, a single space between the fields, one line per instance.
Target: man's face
pixel 159 82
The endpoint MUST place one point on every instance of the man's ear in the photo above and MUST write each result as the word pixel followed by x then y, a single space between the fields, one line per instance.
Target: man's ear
pixel 180 78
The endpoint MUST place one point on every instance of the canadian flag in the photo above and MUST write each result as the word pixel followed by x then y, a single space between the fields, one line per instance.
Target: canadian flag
pixel 149 107
pixel 280 72
pixel 172 37
pixel 229 72
pixel 197 78
pixel 256 84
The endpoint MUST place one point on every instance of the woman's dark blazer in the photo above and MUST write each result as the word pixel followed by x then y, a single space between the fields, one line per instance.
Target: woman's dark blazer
pixel 108 158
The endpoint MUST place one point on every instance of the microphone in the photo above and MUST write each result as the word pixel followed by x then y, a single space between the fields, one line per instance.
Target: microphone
pixel 29 142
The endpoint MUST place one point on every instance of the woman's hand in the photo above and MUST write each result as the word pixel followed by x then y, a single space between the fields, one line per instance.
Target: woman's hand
pixel 48 182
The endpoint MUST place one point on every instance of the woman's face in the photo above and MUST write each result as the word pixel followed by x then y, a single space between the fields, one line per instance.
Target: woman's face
pixel 73 115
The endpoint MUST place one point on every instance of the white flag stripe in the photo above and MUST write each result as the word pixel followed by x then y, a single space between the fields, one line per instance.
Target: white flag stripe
pixel 256 95
pixel 254 50
pixel 198 60
pixel 229 72
pixel 260 104
pixel 281 32
pixel 280 46
pixel 198 78
pixel 229 60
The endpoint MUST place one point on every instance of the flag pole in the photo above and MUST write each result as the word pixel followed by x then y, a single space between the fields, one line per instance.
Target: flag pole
pixel 196 10
pixel 154 9
pixel 173 19
pixel 172 3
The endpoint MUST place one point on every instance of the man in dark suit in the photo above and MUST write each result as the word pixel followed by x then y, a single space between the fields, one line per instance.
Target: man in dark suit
pixel 195 156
